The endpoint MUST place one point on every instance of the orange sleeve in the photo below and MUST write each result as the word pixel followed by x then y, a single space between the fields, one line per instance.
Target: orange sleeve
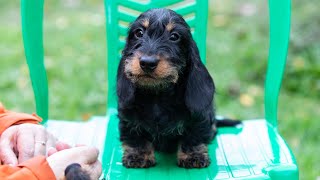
pixel 9 118
pixel 34 169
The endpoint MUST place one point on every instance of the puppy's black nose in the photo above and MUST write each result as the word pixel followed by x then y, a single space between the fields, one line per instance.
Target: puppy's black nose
pixel 148 63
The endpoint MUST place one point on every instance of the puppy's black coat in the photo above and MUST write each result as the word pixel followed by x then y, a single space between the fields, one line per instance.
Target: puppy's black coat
pixel 165 93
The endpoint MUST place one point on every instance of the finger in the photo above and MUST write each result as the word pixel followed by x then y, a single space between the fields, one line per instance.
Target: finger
pixel 40 141
pixel 8 156
pixel 51 140
pixel 51 143
pixel 83 154
pixel 89 155
pixel 79 145
pixel 94 170
pixel 25 144
pixel 51 151
pixel 7 142
pixel 61 146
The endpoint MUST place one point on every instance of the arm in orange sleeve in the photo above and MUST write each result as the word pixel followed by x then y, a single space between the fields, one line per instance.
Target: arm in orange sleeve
pixel 9 118
pixel 36 168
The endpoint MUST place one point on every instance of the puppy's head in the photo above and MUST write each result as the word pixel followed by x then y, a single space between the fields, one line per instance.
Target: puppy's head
pixel 159 51
pixel 157 48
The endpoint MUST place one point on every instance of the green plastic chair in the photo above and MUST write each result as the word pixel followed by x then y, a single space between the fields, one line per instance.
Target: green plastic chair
pixel 254 151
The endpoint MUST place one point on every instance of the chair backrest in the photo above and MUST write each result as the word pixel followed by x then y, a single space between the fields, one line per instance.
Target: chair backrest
pixel 119 13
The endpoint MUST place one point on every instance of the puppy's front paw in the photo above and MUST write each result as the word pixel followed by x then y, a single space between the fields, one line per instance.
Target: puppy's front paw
pixel 138 161
pixel 195 157
pixel 195 160
pixel 138 157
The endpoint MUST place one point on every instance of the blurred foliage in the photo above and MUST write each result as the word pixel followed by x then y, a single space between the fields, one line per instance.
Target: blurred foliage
pixel 304 67
pixel 237 51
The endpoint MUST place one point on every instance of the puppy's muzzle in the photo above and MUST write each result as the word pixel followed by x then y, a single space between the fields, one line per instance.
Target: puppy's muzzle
pixel 148 63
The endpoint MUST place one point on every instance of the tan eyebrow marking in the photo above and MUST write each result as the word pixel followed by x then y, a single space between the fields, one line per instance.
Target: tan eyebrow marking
pixel 145 23
pixel 170 26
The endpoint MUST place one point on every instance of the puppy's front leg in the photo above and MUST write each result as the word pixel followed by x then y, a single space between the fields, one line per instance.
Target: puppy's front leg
pixel 138 156
pixel 193 156
pixel 137 151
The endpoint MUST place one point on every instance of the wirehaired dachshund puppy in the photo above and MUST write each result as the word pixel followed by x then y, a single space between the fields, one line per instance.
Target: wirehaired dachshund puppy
pixel 165 93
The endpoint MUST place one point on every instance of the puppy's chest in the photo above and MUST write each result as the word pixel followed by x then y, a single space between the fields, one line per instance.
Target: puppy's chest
pixel 161 116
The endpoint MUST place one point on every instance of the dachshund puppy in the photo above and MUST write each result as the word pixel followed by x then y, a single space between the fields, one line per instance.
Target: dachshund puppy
pixel 165 93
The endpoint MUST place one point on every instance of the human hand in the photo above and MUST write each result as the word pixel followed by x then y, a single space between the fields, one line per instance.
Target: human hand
pixel 21 142
pixel 86 156
pixel 59 147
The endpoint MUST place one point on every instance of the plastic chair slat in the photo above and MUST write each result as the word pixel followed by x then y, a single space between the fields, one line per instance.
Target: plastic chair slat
pixel 279 41
pixel 31 17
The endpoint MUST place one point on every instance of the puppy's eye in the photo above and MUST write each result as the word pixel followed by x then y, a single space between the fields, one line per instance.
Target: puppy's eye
pixel 138 33
pixel 174 37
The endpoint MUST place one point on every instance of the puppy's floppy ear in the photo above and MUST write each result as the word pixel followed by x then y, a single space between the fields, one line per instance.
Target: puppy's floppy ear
pixel 199 86
pixel 125 88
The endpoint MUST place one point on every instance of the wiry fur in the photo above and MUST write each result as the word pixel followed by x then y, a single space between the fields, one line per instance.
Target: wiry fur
pixel 171 106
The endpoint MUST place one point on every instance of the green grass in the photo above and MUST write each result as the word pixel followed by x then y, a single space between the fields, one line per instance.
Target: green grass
pixel 237 50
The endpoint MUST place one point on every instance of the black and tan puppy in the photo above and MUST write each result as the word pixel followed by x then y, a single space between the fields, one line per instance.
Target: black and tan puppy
pixel 165 93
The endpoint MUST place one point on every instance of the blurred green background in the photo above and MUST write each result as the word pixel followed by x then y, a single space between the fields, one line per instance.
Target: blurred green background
pixel 237 50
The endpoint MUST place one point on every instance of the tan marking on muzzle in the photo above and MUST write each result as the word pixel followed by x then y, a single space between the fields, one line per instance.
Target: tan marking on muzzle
pixel 132 66
pixel 164 70
pixel 162 75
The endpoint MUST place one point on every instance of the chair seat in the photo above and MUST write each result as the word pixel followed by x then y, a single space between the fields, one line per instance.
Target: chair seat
pixel 253 151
